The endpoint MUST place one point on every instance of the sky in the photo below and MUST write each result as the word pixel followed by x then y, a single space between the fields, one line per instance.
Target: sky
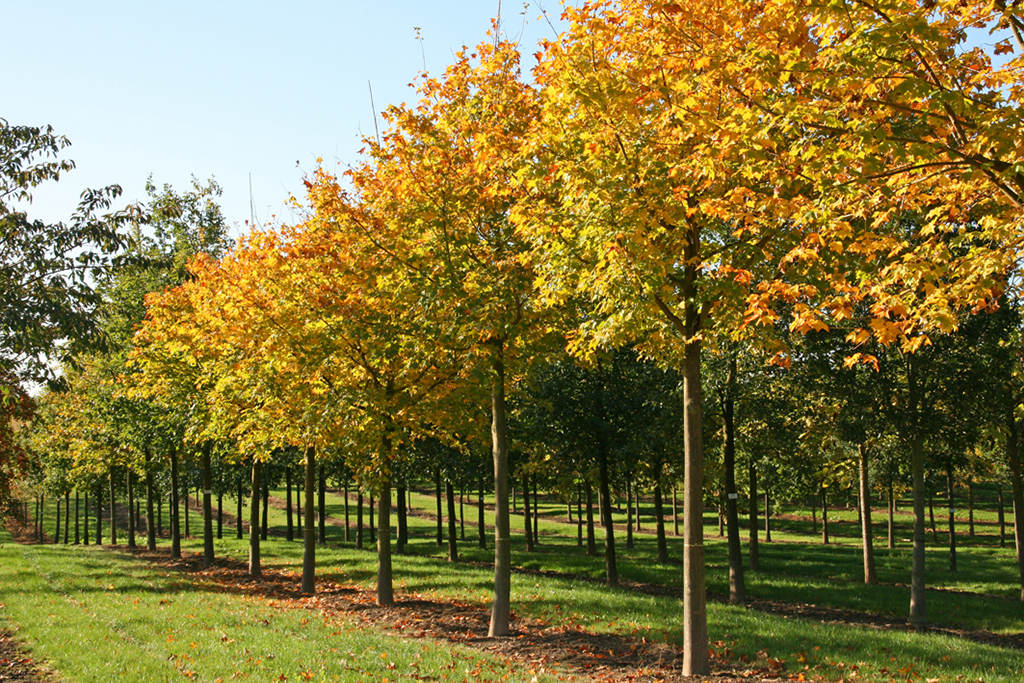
pixel 224 88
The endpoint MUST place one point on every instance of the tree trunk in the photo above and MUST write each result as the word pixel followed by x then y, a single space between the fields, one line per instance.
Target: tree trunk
pixel 403 523
pixel 1013 456
pixel 814 515
pixel 970 507
pixel 348 537
pixel 462 514
pixel 536 515
pixel 659 519
pixel 385 587
pixel 824 516
pixel 239 534
pixel 78 528
pixel 892 518
pixel 437 498
pixel 85 517
pixel 113 509
pixel 501 607
pixel 453 548
pixel 174 512
pixel 579 516
pixel 56 531
pixel 131 508
pixel 528 527
pixel 99 512
pixel 737 586
pixel 952 518
pixel 207 505
pixel 309 536
pixel 220 508
pixel 188 534
pixel 321 504
pixel 918 611
pixel 591 542
pixel 755 562
pixel 611 571
pixel 767 516
pixel 150 526
pixel 481 530
pixel 67 516
pixel 931 516
pixel 288 529
pixel 870 577
pixel 695 627
pixel 372 526
pixel 675 511
pixel 265 526
pixel 255 569
pixel 1002 516
pixel 359 519
pixel 629 514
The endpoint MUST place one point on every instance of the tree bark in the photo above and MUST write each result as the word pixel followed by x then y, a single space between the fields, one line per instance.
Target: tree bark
pixel 348 537
pixel 918 611
pixel 385 587
pixel 767 516
pixel 453 548
pixel 501 607
pixel 952 517
pixel 1002 515
pixel 892 518
pixel 462 513
pixel 870 577
pixel 220 508
pixel 85 517
pixel 56 531
pixel 1013 457
pixel 591 541
pixel 321 504
pixel 481 530
pixel 207 505
pixel 239 534
pixel 131 507
pixel 289 530
pixel 755 562
pixel 99 512
pixel 265 527
pixel 528 527
pixel 403 524
pixel 309 535
pixel 970 507
pixel 359 519
pixel 629 514
pixel 67 516
pixel 78 528
pixel 659 519
pixel 113 509
pixel 611 571
pixel 737 585
pixel 174 511
pixel 675 511
pixel 824 516
pixel 255 569
pixel 437 498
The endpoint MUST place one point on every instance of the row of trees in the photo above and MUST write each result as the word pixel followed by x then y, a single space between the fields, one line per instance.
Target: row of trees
pixel 676 179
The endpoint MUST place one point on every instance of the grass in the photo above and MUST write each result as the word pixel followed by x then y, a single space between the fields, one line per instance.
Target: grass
pixel 73 585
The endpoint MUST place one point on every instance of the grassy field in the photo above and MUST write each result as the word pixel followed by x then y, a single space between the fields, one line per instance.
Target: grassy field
pixel 91 613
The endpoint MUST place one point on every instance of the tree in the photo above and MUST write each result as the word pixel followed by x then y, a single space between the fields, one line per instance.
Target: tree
pixel 47 271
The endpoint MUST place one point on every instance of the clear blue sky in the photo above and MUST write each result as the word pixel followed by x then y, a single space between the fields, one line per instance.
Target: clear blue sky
pixel 225 88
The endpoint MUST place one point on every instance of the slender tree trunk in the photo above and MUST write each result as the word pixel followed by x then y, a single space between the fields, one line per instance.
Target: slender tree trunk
pixel 695 627
pixel 298 502
pixel 481 530
pixel 659 518
pixel 437 498
pixel 373 527
pixel 78 529
pixel 591 541
pixel 174 512
pixel 159 513
pixel 150 526
pixel 767 516
pixel 453 548
pixel 67 517
pixel 348 536
pixel 931 516
pixel 536 515
pixel 824 516
pixel 289 530
pixel 1002 516
pixel 675 511
pixel 870 577
pixel 359 519
pixel 952 518
pixel 113 509
pixel 1013 457
pixel 131 508
pixel 385 587
pixel 629 514
pixel 188 533
pixel 403 528
pixel 892 518
pixel 737 586
pixel 970 507
pixel 309 536
pixel 579 516
pixel 528 527
pixel 611 571
pixel 462 514
pixel 814 514
pixel 238 514
pixel 56 531
pixel 85 517
pixel 321 503
pixel 752 525
pixel 207 449
pixel 918 610
pixel 636 499
pixel 255 568
pixel 99 512
pixel 220 509
pixel 501 608
pixel 265 527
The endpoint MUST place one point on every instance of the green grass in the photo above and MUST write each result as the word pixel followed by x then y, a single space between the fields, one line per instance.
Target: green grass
pixel 794 568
